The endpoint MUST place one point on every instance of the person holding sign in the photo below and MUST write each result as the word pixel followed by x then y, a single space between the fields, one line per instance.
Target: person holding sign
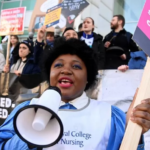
pixel 88 124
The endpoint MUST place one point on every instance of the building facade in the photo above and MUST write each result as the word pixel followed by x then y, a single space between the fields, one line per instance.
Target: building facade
pixel 101 11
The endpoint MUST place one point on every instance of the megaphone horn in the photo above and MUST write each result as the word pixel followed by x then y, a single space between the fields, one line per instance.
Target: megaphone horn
pixel 38 124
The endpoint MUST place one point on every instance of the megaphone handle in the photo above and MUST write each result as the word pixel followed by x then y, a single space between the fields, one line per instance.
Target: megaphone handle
pixel 41 119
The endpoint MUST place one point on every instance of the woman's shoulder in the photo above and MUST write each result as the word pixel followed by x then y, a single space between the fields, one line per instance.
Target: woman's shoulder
pixel 100 105
pixel 118 115
pixel 97 102
pixel 115 111
pixel 97 36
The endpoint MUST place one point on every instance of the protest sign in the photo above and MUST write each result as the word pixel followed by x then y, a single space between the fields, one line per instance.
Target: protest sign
pixel 5 108
pixel 142 32
pixel 53 15
pixel 133 131
pixel 70 10
pixel 39 12
pixel 12 21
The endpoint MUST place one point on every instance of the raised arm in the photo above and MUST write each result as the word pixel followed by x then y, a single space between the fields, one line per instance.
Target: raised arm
pixel 39 44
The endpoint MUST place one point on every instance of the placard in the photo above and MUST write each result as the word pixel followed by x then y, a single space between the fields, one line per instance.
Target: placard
pixel 142 32
pixel 12 21
pixel 53 16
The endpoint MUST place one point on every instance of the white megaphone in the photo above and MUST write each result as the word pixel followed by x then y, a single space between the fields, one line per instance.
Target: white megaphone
pixel 38 124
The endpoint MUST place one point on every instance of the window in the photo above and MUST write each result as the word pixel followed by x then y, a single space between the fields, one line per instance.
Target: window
pixel 29 4
pixel 131 10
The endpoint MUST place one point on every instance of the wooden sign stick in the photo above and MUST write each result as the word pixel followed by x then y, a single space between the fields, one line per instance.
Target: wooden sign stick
pixel 6 75
pixel 8 51
pixel 133 130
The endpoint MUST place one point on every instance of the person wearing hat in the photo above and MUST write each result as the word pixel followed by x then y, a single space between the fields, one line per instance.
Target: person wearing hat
pixel 23 60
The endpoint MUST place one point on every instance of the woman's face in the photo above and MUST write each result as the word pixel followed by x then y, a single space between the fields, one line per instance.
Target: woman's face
pixel 13 40
pixel 23 51
pixel 87 25
pixel 69 74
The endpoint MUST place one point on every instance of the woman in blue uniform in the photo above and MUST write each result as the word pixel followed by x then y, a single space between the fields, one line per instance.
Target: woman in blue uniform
pixel 88 124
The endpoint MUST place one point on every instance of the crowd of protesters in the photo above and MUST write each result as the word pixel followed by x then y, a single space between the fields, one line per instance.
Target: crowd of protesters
pixel 116 50
pixel 71 63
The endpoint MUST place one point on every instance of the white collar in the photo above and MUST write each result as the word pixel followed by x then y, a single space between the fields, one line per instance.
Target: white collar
pixel 79 102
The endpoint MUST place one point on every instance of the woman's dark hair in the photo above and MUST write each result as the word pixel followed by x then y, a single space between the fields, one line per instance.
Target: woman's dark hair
pixel 73 47
pixel 93 22
pixel 16 37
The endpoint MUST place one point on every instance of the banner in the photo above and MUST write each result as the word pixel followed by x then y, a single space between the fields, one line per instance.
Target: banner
pixel 70 10
pixel 12 21
pixel 142 32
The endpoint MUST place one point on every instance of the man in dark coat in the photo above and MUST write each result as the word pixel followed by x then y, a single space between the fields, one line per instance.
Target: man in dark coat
pixel 118 44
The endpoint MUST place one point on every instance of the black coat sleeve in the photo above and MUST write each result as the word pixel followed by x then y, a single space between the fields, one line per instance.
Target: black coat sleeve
pixel 38 50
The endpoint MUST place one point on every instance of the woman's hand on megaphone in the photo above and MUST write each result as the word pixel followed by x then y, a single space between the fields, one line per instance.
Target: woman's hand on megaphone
pixel 41 34
pixel 6 69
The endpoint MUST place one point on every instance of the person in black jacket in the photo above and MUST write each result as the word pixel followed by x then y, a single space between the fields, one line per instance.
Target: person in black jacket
pixel 93 40
pixel 118 44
